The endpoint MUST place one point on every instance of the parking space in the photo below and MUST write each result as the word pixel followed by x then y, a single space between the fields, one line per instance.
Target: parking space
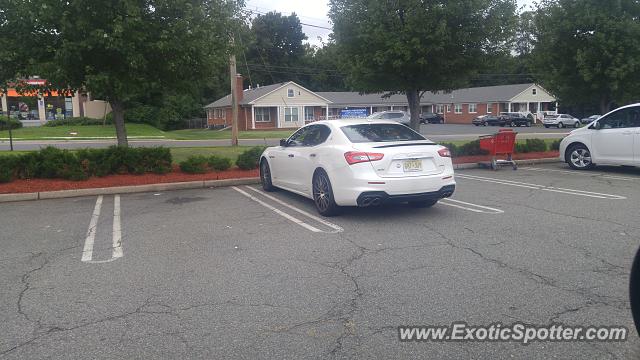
pixel 240 273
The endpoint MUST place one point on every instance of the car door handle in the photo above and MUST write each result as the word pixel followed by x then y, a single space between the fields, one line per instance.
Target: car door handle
pixel 290 155
pixel 312 155
pixel 627 133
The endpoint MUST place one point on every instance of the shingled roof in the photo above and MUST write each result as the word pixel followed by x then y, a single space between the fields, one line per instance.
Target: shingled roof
pixel 486 94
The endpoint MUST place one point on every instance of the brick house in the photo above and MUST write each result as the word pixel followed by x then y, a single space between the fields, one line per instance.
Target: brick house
pixel 289 105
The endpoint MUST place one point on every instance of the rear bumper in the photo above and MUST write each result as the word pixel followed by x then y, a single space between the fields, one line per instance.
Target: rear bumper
pixel 368 198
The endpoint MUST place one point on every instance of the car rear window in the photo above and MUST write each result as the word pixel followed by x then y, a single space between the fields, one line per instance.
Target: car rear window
pixel 362 133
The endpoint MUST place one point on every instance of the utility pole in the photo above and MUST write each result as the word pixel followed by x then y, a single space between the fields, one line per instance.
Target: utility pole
pixel 234 96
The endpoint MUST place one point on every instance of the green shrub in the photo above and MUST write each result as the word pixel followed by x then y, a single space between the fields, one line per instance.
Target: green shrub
pixel 6 122
pixel 555 145
pixel 249 159
pixel 195 165
pixel 467 149
pixel 531 145
pixel 7 168
pixel 76 121
pixel 219 163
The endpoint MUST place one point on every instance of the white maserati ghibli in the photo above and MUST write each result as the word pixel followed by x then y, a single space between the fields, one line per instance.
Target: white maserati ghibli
pixel 359 162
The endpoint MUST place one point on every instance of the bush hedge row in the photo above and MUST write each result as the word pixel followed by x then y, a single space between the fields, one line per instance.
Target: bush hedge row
pixel 76 121
pixel 473 148
pixel 53 163
pixel 5 122
pixel 199 164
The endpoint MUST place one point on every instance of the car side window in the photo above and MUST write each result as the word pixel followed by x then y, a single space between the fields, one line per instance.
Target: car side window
pixel 629 117
pixel 317 135
pixel 395 116
pixel 298 138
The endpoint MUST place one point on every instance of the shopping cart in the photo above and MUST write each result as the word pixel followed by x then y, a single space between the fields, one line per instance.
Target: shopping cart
pixel 499 144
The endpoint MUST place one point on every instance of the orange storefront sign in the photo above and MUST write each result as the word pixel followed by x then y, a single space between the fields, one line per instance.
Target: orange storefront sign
pixel 54 93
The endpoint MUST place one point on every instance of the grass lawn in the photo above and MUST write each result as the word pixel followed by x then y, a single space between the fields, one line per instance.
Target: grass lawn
pixel 181 154
pixel 203 134
pixel 89 131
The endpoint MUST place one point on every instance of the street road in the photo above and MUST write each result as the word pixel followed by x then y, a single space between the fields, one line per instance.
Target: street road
pixel 235 273
pixel 435 132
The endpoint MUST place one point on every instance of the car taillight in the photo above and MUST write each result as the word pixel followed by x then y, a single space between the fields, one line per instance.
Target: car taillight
pixel 444 152
pixel 354 157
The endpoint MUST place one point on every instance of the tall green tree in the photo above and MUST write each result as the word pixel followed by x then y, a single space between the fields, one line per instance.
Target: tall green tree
pixel 275 48
pixel 588 52
pixel 120 49
pixel 409 46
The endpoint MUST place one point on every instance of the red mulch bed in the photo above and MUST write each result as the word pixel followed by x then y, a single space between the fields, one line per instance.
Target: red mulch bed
pixel 524 156
pixel 37 185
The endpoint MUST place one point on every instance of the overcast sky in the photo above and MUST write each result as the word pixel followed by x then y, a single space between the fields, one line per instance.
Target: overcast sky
pixel 312 12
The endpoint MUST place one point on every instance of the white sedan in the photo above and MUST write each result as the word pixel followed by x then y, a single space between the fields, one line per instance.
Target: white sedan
pixel 613 139
pixel 362 162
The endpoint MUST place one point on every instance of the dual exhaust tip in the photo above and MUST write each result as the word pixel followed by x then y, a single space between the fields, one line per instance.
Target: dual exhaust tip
pixel 371 201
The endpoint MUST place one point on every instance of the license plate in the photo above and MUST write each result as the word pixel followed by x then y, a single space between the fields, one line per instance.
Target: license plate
pixel 412 165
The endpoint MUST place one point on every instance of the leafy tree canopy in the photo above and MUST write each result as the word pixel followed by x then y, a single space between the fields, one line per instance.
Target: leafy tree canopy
pixel 119 49
pixel 414 45
pixel 587 52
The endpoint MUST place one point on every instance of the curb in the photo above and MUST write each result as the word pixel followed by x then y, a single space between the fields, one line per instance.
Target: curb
pixel 185 185
pixel 519 162
pixel 126 189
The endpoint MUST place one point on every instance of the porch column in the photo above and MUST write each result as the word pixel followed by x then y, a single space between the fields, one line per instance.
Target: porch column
pixel 509 109
pixel 528 106
pixel 253 117
pixel 75 104
pixel 301 120
pixel 370 110
pixel 327 114
pixel 391 107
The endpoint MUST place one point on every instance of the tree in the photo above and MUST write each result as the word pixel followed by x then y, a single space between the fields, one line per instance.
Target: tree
pixel 587 52
pixel 120 49
pixel 275 48
pixel 409 46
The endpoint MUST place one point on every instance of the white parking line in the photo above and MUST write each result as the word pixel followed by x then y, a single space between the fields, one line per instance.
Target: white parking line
pixel 87 252
pixel 335 227
pixel 117 252
pixel 542 187
pixel 470 206
pixel 117 231
pixel 582 173
pixel 277 211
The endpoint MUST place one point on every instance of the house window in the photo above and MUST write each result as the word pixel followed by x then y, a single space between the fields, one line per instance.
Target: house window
pixel 263 114
pixel 309 113
pixel 290 93
pixel 439 109
pixel 489 108
pixel 458 108
pixel 219 114
pixel 473 108
pixel 448 108
pixel 291 114
pixel 534 91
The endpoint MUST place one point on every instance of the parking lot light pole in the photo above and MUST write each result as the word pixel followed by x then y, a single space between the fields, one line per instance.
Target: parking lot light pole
pixel 10 132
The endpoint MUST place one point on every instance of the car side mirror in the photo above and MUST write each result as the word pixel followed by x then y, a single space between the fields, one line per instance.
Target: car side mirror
pixel 284 142
pixel 596 125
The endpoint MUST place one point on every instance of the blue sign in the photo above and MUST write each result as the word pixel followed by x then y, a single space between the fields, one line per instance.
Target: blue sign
pixel 354 113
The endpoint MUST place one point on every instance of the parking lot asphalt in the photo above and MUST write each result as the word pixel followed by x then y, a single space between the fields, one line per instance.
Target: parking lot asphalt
pixel 236 273
pixel 435 132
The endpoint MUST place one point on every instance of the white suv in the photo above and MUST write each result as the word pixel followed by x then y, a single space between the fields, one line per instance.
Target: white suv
pixel 560 121
pixel 402 117
pixel 613 139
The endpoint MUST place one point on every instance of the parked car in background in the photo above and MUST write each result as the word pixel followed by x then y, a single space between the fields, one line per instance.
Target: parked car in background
pixel 431 118
pixel 359 162
pixel 590 119
pixel 560 121
pixel 613 139
pixel 490 120
pixel 402 117
pixel 516 119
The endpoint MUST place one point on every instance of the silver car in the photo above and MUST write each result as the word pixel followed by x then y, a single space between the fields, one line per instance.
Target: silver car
pixel 402 117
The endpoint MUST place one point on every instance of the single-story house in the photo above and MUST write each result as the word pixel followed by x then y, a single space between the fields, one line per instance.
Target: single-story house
pixel 289 105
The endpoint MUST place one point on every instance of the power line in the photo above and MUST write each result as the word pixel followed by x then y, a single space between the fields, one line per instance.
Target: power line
pixel 301 23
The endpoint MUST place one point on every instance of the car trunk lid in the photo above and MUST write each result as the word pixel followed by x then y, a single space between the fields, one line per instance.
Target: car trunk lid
pixel 405 158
